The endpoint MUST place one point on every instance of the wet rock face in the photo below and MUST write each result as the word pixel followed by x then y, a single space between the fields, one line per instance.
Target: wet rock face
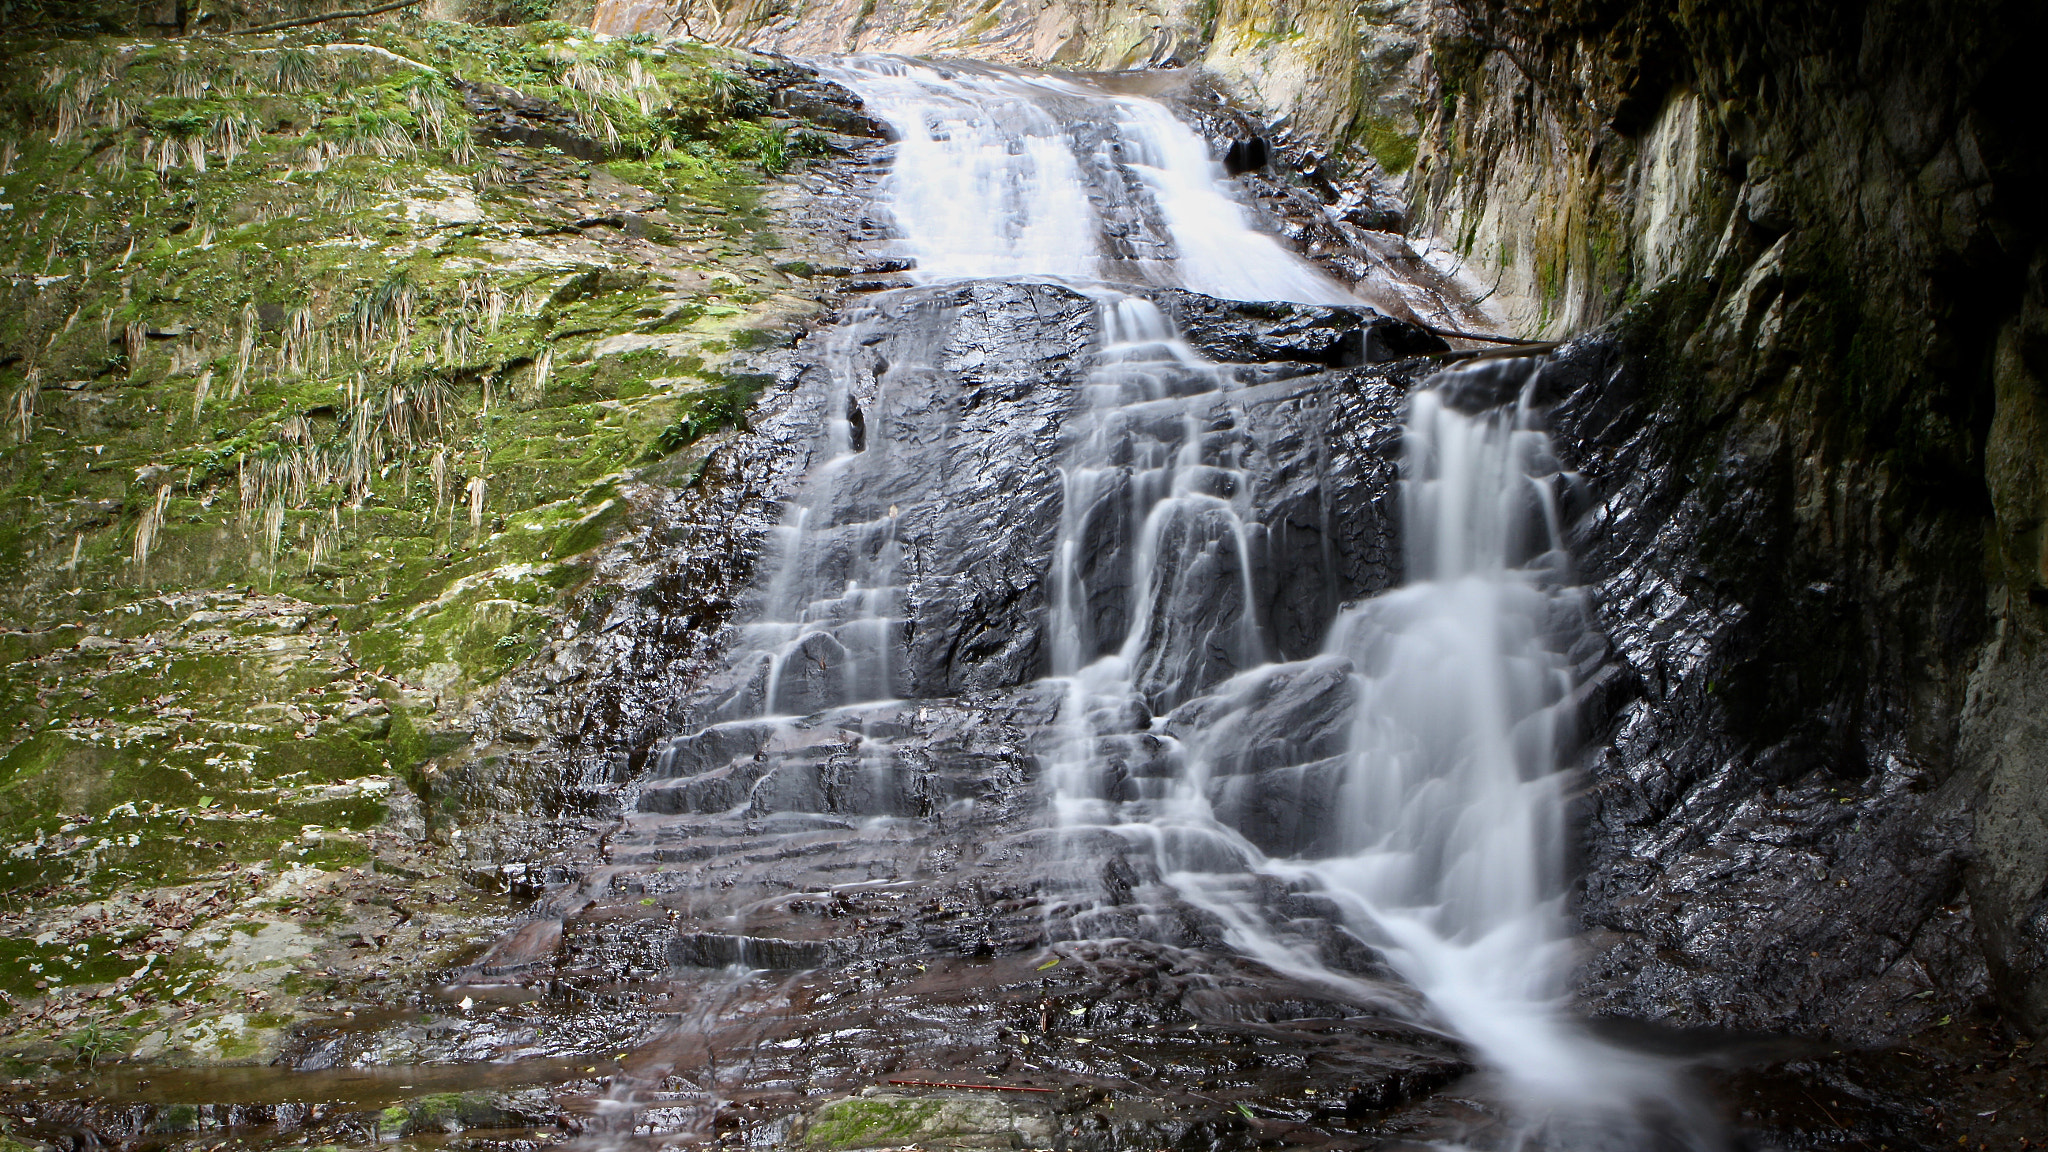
pixel 507 116
pixel 1819 546
pixel 943 508
pixel 891 866
pixel 1749 863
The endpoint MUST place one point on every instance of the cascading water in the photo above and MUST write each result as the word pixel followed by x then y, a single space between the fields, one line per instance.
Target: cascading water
pixel 1000 173
pixel 1435 831
pixel 1401 788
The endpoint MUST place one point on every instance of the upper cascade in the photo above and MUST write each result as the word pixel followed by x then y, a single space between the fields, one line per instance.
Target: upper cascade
pixel 1002 173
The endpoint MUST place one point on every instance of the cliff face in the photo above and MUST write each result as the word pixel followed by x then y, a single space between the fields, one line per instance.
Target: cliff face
pixel 335 366
pixel 1813 414
pixel 1810 231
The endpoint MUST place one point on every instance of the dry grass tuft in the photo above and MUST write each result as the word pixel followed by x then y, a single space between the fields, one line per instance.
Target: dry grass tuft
pixel 200 392
pixel 21 407
pixel 148 527
pixel 294 70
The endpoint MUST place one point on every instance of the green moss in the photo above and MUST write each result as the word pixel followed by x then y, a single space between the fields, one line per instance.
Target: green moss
pixel 1392 145
pixel 704 412
pixel 857 1122
pixel 261 398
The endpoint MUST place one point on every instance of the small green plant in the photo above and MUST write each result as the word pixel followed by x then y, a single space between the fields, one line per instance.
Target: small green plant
pixel 766 145
pixel 94 1040
pixel 703 413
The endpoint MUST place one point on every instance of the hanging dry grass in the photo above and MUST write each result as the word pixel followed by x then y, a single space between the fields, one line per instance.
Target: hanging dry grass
pixel 533 386
pixel 21 407
pixel 245 350
pixel 134 339
pixel 112 160
pixel 457 341
pixel 298 338
pixel 646 91
pixel 373 133
pixel 151 524
pixel 494 172
pixel 273 528
pixel 187 80
pixel 437 470
pixel 293 70
pixel 481 297
pixel 231 134
pixel 200 392
pixel 74 107
pixel 429 103
pixel 383 311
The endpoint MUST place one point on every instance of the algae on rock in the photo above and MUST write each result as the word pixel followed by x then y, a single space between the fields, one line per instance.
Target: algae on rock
pixel 323 379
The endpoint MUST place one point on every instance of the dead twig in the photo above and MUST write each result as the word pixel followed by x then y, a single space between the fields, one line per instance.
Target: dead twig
pixel 305 20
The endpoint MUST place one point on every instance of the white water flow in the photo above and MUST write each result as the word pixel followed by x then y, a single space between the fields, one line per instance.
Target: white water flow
pixel 824 630
pixel 1435 833
pixel 1432 832
pixel 1001 174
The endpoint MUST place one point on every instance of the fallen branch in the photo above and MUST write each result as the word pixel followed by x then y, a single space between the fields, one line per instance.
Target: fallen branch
pixel 367 49
pixel 305 20
pixel 1520 348
pixel 1454 334
pixel 980 1087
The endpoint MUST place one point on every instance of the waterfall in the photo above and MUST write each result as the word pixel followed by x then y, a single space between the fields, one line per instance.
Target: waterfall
pixel 1403 786
pixel 1000 173
pixel 1434 832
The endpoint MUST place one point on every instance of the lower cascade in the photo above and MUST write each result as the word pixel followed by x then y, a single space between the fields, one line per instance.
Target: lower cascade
pixel 1307 702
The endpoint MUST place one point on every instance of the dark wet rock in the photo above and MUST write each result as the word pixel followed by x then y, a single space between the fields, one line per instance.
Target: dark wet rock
pixel 508 116
pixel 828 105
pixel 795 89
pixel 720 950
pixel 1341 211
pixel 892 862
pixel 530 946
pixel 1276 740
pixel 1765 847
pixel 1238 333
pixel 962 394
pixel 1247 155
